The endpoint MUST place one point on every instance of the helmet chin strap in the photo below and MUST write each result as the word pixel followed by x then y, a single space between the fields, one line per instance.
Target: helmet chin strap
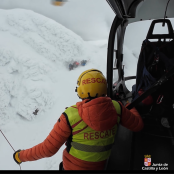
pixel 89 97
pixel 92 97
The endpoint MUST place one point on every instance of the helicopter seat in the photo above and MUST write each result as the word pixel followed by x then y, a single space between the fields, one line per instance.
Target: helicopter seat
pixel 155 59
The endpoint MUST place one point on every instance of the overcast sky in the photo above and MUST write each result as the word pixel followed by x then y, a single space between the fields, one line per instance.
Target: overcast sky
pixel 90 19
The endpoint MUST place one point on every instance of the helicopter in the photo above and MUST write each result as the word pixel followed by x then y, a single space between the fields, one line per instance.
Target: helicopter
pixel 155 141
pixel 58 2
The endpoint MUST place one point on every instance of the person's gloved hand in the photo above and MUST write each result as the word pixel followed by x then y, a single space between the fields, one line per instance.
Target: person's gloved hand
pixel 16 157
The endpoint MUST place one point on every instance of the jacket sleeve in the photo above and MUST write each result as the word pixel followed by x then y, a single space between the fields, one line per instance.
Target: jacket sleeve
pixel 131 119
pixel 57 137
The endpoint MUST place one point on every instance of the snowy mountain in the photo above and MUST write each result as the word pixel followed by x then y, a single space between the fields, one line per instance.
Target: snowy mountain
pixel 89 19
pixel 35 52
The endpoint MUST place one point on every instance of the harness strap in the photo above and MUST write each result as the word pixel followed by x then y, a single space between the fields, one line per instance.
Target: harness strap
pixel 74 125
pixel 74 107
pixel 76 132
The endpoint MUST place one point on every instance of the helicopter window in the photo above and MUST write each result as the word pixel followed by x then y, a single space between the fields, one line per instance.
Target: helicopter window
pixel 132 45
pixel 158 27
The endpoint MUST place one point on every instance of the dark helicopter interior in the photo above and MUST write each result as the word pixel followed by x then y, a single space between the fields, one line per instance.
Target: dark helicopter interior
pixel 155 139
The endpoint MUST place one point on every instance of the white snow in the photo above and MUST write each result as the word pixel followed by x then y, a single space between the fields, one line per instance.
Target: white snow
pixel 34 56
pixel 90 19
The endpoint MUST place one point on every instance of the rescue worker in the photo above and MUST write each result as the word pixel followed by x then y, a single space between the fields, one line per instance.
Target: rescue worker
pixel 70 66
pixel 75 64
pixel 83 62
pixel 88 128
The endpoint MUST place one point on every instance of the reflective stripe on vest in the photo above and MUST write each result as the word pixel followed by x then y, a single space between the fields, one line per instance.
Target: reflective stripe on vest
pixel 88 144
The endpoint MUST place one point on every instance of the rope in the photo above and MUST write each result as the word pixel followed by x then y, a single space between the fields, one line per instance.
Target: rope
pixel 7 140
pixel 9 144
pixel 166 10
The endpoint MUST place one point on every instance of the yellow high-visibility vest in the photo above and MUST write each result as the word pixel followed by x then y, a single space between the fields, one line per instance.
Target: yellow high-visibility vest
pixel 87 144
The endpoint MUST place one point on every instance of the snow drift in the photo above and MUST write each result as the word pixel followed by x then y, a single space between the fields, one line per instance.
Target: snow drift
pixel 34 55
pixel 30 47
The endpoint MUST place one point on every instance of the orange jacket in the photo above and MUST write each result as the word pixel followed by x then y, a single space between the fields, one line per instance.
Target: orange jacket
pixel 99 114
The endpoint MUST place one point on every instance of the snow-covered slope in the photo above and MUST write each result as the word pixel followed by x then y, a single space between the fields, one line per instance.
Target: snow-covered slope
pixel 34 54
pixel 90 19
pixel 33 49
